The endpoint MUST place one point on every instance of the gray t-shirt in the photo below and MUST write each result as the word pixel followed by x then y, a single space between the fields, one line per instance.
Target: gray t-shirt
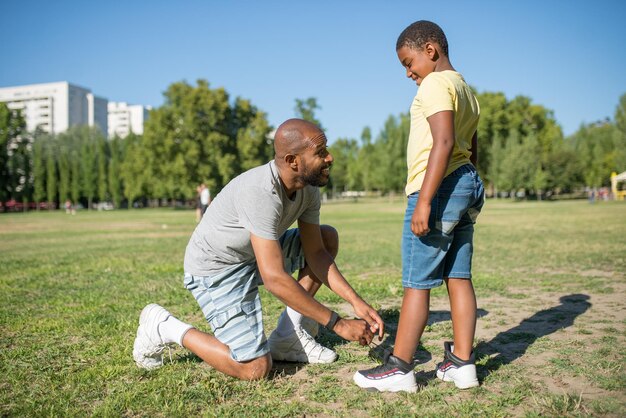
pixel 253 202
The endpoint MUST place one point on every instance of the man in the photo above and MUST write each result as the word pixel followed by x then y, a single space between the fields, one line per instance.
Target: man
pixel 243 241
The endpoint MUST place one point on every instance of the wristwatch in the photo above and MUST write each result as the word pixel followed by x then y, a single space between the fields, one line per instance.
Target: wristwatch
pixel 334 318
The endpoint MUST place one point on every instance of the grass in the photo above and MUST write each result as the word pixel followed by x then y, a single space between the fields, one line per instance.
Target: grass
pixel 549 277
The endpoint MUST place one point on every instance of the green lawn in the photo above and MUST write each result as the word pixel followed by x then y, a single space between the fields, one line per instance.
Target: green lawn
pixel 549 276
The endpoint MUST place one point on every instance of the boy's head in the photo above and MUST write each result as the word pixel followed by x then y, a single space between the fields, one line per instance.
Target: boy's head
pixel 417 34
pixel 422 48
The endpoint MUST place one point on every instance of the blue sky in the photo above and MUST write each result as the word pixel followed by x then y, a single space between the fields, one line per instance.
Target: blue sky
pixel 569 56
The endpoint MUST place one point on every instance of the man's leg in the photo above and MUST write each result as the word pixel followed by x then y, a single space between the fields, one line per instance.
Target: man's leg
pixel 290 318
pixel 217 355
pixel 293 338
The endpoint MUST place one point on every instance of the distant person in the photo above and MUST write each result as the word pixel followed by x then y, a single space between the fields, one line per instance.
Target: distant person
pixel 445 195
pixel 243 241
pixel 198 203
pixel 205 198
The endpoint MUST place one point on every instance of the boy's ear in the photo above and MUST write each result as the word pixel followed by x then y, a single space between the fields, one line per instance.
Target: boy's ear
pixel 431 51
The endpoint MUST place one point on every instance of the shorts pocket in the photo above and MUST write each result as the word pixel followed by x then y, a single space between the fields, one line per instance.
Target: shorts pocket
pixel 450 210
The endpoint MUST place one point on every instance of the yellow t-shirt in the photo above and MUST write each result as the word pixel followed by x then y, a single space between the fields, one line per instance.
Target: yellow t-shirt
pixel 439 91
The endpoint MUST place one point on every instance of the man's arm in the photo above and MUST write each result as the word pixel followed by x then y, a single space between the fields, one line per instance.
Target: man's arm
pixel 270 262
pixel 325 269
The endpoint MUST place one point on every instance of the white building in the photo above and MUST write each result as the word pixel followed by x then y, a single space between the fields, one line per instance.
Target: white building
pixel 124 119
pixel 54 107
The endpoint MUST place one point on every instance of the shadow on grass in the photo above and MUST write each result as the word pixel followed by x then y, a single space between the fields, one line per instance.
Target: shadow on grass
pixel 511 344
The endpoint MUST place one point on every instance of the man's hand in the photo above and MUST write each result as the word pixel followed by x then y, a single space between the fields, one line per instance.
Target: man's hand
pixel 354 330
pixel 371 317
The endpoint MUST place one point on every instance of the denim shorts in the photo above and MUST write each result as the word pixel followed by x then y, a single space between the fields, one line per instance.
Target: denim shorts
pixel 446 251
pixel 231 304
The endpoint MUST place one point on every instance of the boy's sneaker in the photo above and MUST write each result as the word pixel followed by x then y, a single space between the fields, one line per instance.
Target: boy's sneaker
pixel 394 375
pixel 149 346
pixel 453 369
pixel 300 347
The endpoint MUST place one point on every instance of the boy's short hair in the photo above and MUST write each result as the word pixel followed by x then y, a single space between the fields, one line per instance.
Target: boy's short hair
pixel 420 32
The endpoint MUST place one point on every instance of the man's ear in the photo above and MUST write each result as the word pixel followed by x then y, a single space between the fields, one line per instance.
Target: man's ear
pixel 292 161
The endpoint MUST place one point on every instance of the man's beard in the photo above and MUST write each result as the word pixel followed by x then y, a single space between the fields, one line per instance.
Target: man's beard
pixel 316 179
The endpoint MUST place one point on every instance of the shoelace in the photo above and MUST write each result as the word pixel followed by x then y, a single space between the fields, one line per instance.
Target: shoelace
pixel 309 341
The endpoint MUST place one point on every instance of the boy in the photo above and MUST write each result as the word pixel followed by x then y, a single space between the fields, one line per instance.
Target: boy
pixel 445 194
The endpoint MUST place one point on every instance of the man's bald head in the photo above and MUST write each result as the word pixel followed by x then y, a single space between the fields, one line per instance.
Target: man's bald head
pixel 294 135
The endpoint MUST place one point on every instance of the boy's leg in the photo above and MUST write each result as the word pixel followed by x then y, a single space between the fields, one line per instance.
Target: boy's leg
pixel 413 318
pixel 463 312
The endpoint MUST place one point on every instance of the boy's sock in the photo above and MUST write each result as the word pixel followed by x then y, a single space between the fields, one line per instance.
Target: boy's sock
pixel 172 330
pixel 288 321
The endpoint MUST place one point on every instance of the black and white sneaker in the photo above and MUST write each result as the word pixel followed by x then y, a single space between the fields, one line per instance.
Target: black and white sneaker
pixel 394 375
pixel 453 369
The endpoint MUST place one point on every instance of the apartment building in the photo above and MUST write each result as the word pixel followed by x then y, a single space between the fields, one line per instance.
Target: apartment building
pixel 124 119
pixel 54 107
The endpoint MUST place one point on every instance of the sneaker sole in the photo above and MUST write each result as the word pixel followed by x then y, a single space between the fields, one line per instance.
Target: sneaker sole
pixel 363 385
pixel 460 385
pixel 296 359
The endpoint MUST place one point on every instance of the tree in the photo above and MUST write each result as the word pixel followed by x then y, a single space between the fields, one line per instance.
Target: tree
pixel 14 150
pixel 39 168
pixel 345 152
pixel 133 169
pixel 114 170
pixel 51 174
pixel 197 136
pixel 305 109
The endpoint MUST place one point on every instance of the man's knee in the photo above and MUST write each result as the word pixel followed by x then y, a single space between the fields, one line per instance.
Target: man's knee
pixel 256 369
pixel 330 237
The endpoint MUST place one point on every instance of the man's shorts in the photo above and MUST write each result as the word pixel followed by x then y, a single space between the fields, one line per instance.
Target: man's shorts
pixel 446 251
pixel 231 304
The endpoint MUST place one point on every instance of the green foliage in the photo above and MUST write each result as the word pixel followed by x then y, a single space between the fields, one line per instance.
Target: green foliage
pixel 197 136
pixel 305 109
pixel 15 168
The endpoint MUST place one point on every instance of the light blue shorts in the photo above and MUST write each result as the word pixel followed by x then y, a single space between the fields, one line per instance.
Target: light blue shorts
pixel 231 304
pixel 446 251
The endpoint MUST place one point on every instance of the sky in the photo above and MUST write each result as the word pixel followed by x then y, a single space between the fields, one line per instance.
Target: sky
pixel 568 56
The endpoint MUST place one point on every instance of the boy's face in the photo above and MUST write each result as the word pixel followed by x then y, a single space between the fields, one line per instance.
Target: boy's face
pixel 418 62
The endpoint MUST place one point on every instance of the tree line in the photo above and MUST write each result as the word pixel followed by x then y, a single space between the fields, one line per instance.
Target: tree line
pixel 200 135
pixel 521 148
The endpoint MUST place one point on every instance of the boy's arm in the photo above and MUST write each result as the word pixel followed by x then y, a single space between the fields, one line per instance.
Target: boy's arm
pixel 474 150
pixel 442 129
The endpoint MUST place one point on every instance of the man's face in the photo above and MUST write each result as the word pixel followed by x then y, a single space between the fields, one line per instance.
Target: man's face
pixel 316 162
pixel 416 62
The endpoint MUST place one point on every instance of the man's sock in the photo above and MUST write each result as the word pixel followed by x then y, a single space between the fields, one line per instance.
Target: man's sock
pixel 287 322
pixel 173 330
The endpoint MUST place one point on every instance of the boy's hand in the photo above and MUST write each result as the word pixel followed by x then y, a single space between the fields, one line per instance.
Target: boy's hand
pixel 419 220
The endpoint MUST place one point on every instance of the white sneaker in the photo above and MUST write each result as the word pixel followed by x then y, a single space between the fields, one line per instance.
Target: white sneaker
pixel 394 375
pixel 453 369
pixel 149 346
pixel 299 347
